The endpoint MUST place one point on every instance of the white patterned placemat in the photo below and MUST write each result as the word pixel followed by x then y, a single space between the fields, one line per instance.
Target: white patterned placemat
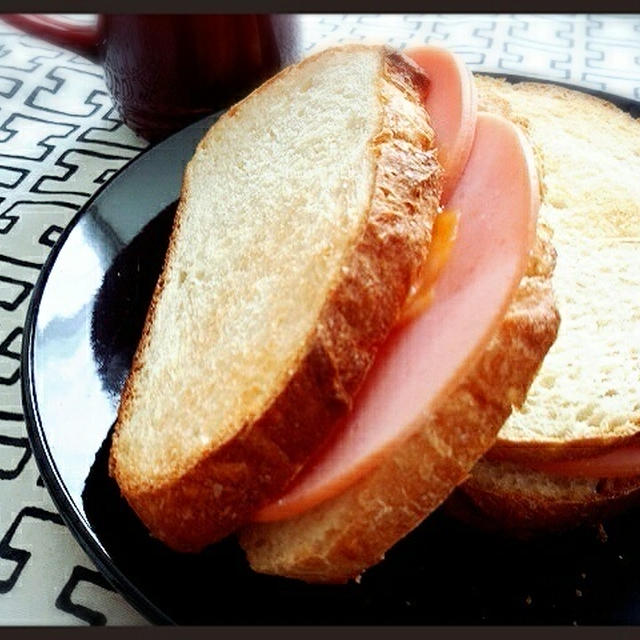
pixel 599 51
pixel 61 139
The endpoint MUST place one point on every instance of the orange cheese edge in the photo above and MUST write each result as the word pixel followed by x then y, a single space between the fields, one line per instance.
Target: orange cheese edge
pixel 445 229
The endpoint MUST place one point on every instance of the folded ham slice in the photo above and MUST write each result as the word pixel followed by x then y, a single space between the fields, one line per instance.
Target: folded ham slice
pixel 452 105
pixel 497 200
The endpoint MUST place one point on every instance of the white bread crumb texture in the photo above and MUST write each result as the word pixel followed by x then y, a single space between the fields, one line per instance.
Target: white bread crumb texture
pixel 276 195
pixel 589 385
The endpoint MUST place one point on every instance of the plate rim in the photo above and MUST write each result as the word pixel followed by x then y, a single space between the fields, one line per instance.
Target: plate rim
pixel 45 462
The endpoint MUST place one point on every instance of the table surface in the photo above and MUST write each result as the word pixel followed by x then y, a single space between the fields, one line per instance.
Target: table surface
pixel 61 139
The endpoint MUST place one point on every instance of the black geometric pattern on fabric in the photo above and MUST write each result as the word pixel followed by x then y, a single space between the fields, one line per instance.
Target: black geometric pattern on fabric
pixel 60 75
pixel 74 161
pixel 14 181
pixel 12 355
pixel 16 555
pixel 50 236
pixel 16 292
pixel 18 443
pixel 15 128
pixel 64 600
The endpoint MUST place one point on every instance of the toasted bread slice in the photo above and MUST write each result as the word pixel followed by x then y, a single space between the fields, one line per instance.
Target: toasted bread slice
pixel 587 395
pixel 342 536
pixel 521 502
pixel 586 398
pixel 304 219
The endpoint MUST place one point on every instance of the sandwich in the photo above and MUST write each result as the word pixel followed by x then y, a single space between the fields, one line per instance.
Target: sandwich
pixel 355 296
pixel 571 453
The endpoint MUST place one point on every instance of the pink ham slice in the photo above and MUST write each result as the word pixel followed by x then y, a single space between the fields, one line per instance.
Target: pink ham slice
pixel 452 106
pixel 623 462
pixel 497 200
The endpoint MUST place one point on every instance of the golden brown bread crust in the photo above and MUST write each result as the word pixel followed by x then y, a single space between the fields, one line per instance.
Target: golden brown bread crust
pixel 526 512
pixel 340 538
pixel 216 495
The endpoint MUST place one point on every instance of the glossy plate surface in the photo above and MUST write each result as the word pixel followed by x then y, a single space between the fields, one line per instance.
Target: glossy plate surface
pixel 82 328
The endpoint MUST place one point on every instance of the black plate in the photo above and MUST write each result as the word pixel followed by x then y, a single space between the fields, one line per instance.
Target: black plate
pixel 83 324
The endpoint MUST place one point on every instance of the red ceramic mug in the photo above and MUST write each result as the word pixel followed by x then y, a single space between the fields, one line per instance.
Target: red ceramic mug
pixel 165 71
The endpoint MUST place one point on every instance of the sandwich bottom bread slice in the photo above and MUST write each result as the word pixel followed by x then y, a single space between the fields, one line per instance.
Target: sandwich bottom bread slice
pixel 570 454
pixel 349 531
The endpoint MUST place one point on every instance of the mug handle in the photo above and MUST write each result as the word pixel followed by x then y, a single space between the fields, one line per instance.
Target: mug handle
pixel 82 39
